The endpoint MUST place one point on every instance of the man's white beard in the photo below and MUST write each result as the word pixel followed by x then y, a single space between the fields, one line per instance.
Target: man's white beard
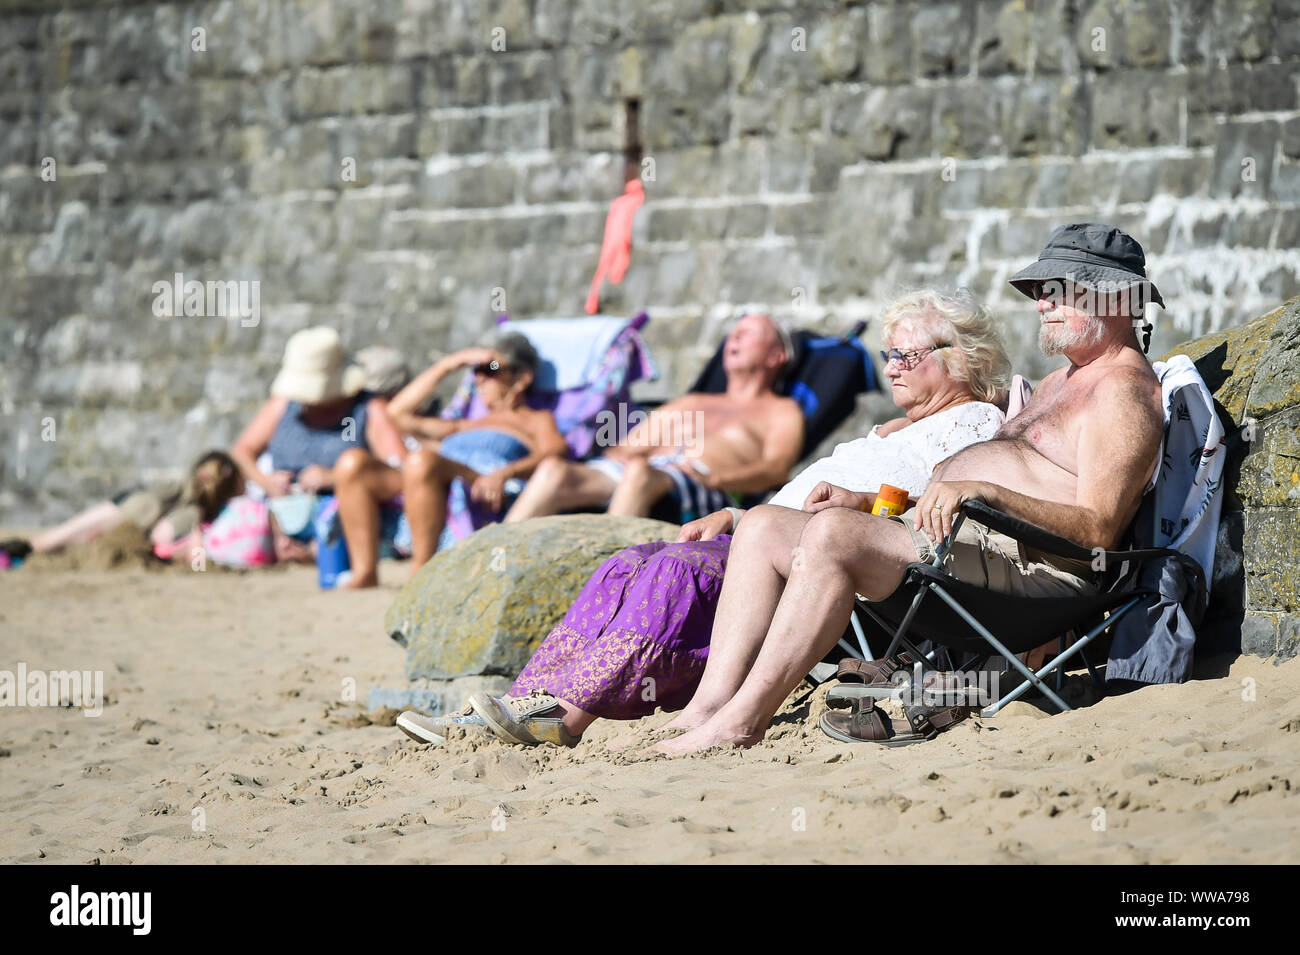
pixel 1058 339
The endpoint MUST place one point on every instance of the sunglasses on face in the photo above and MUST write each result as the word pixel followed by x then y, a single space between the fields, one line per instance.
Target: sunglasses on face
pixel 1054 290
pixel 490 369
pixel 909 359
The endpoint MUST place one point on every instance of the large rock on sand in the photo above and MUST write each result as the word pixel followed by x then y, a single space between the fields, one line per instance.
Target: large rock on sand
pixel 483 606
pixel 1254 372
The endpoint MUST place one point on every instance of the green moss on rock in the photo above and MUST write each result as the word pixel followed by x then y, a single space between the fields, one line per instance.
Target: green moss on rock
pixel 482 607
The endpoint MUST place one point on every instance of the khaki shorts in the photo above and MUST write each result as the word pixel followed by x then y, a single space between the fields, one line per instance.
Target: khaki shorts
pixel 989 559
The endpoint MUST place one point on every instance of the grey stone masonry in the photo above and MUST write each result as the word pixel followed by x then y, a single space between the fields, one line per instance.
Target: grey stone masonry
pixel 402 169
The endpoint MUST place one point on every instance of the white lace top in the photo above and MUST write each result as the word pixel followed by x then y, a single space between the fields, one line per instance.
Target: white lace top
pixel 906 458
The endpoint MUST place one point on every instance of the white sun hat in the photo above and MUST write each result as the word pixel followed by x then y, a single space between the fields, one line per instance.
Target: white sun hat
pixel 315 370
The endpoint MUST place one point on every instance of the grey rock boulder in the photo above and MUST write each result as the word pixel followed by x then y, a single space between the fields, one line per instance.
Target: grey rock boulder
pixel 482 607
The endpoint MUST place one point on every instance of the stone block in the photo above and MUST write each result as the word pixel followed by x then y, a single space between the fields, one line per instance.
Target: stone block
pixel 890 37
pixel 967 121
pixel 941 38
pixel 1099 34
pixel 837 43
pixel 1259 634
pixel 1004 37
pixel 888 123
pixel 461 185
pixel 1242 31
pixel 482 607
pixel 1288 638
pixel 1270 543
pixel 1137 110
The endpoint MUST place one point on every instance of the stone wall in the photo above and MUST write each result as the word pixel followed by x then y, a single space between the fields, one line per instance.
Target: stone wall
pixel 1254 372
pixel 811 157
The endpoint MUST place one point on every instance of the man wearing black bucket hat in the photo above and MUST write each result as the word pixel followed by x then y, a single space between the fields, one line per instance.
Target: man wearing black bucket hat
pixel 1097 263
pixel 1075 461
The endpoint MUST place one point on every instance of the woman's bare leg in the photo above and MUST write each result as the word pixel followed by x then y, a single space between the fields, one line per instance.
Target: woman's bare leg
pixel 757 567
pixel 86 526
pixel 426 478
pixel 840 553
pixel 575 719
pixel 361 484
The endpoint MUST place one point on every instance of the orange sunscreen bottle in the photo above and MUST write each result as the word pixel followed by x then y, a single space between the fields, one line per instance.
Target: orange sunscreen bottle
pixel 890 500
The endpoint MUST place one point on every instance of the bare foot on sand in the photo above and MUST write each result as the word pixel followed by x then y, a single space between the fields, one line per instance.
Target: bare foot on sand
pixel 361 583
pixel 620 743
pixel 708 736
pixel 689 719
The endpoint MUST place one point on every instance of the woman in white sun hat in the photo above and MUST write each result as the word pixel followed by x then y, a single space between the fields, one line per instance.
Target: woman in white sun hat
pixel 318 409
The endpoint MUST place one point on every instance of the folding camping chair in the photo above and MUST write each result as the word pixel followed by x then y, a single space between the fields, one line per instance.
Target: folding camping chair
pixel 961 617
pixel 957 620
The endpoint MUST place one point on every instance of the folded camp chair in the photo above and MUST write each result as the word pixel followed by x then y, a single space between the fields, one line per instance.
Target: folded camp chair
pixel 963 617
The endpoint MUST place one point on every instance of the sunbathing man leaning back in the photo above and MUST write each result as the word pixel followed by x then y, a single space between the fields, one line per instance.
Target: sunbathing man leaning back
pixel 1075 461
pixel 700 447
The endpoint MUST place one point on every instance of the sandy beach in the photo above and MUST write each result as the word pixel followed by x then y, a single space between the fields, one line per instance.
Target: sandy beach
pixel 225 738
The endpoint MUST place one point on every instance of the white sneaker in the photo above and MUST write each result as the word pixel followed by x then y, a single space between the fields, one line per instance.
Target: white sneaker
pixel 433 729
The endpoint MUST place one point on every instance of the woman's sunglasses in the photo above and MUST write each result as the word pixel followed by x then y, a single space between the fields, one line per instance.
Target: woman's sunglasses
pixel 909 359
pixel 490 369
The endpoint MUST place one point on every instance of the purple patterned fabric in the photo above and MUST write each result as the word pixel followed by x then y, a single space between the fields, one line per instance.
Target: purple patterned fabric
pixel 637 637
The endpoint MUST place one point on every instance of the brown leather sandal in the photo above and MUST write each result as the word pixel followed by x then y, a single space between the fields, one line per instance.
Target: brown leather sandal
pixel 866 724
pixel 872 671
pixel 867 679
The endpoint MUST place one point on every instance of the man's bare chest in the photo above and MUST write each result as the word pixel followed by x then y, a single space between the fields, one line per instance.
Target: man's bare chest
pixel 1050 426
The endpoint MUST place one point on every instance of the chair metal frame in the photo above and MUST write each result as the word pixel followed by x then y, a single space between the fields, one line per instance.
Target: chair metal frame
pixel 930 578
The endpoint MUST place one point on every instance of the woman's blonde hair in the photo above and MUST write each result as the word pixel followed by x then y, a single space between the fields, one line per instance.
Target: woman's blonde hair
pixel 960 320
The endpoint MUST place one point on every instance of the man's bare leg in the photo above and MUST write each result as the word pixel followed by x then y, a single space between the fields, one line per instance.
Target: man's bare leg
pixel 426 479
pixel 557 485
pixel 840 553
pixel 757 567
pixel 361 483
pixel 640 488
pixel 86 526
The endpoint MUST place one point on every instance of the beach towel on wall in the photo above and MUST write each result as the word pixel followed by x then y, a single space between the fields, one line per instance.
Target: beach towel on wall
pixel 616 250
pixel 1154 643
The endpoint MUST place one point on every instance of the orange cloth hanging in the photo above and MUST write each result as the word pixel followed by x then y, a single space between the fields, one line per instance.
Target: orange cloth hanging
pixel 616 250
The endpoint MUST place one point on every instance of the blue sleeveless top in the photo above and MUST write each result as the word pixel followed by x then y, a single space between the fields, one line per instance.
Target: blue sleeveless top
pixel 295 444
pixel 482 449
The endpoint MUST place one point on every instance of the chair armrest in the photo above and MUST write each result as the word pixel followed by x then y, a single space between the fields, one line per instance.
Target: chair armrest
pixel 1035 536
pixel 1025 532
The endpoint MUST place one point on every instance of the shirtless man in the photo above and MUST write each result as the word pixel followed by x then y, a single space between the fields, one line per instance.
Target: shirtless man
pixel 1075 461
pixel 700 446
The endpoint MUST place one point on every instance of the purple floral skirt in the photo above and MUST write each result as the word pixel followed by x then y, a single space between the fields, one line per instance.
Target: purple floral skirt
pixel 637 637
